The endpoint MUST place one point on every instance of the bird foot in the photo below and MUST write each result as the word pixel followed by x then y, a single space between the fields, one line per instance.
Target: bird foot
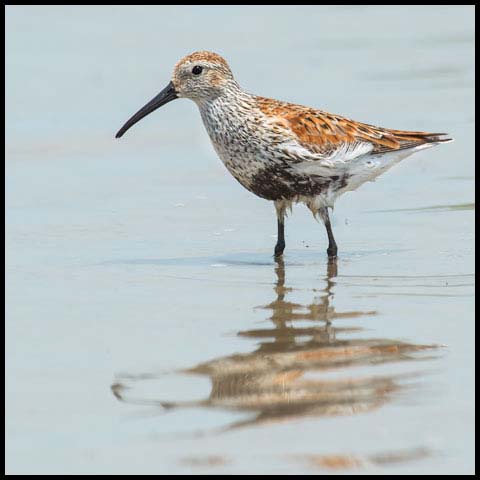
pixel 279 248
pixel 332 253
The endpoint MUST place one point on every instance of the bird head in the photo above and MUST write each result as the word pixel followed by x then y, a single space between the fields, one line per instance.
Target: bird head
pixel 200 76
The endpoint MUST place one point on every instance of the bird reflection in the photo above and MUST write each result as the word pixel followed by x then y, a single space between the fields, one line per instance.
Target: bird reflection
pixel 301 367
pixel 284 314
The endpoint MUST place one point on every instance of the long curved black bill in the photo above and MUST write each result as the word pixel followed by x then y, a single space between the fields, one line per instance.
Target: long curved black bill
pixel 166 95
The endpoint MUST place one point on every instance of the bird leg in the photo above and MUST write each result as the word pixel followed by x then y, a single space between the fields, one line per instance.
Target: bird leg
pixel 332 246
pixel 280 246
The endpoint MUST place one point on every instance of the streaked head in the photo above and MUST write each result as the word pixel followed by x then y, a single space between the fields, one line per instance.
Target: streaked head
pixel 199 76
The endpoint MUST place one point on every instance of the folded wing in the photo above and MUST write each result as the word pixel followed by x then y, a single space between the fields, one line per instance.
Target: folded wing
pixel 332 138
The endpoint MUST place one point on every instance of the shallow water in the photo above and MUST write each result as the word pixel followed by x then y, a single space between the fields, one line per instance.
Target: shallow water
pixel 149 329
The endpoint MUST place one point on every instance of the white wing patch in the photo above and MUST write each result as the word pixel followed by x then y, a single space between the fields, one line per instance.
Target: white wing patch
pixel 349 151
pixel 336 162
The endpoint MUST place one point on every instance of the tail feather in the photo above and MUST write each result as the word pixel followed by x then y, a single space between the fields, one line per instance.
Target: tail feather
pixel 407 139
pixel 425 137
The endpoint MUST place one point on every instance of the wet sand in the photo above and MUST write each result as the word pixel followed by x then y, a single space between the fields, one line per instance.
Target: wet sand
pixel 149 329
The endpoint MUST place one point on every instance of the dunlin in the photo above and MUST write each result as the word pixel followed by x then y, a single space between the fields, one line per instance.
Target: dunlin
pixel 280 151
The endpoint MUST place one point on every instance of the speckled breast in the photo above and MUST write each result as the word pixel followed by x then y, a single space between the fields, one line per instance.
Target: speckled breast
pixel 249 152
pixel 272 178
pixel 240 147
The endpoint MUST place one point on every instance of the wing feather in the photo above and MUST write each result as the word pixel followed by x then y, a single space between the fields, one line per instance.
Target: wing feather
pixel 333 138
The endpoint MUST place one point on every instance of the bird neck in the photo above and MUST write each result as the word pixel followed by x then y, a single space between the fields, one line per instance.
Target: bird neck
pixel 231 96
pixel 227 116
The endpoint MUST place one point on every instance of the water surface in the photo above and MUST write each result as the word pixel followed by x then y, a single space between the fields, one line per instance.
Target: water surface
pixel 149 329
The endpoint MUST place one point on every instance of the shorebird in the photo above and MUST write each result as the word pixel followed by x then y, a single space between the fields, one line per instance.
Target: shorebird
pixel 280 151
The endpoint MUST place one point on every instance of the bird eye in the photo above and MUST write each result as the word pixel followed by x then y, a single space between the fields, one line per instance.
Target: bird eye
pixel 197 70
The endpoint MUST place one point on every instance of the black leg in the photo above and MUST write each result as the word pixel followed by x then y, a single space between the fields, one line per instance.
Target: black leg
pixel 280 207
pixel 280 246
pixel 332 246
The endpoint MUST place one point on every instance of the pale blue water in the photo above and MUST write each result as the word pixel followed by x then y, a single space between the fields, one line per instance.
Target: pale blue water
pixel 131 261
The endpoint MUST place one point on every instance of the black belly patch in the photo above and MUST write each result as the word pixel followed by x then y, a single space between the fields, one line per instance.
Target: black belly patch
pixel 279 184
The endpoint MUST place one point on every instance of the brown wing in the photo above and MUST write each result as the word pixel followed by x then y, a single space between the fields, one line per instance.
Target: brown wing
pixel 324 133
